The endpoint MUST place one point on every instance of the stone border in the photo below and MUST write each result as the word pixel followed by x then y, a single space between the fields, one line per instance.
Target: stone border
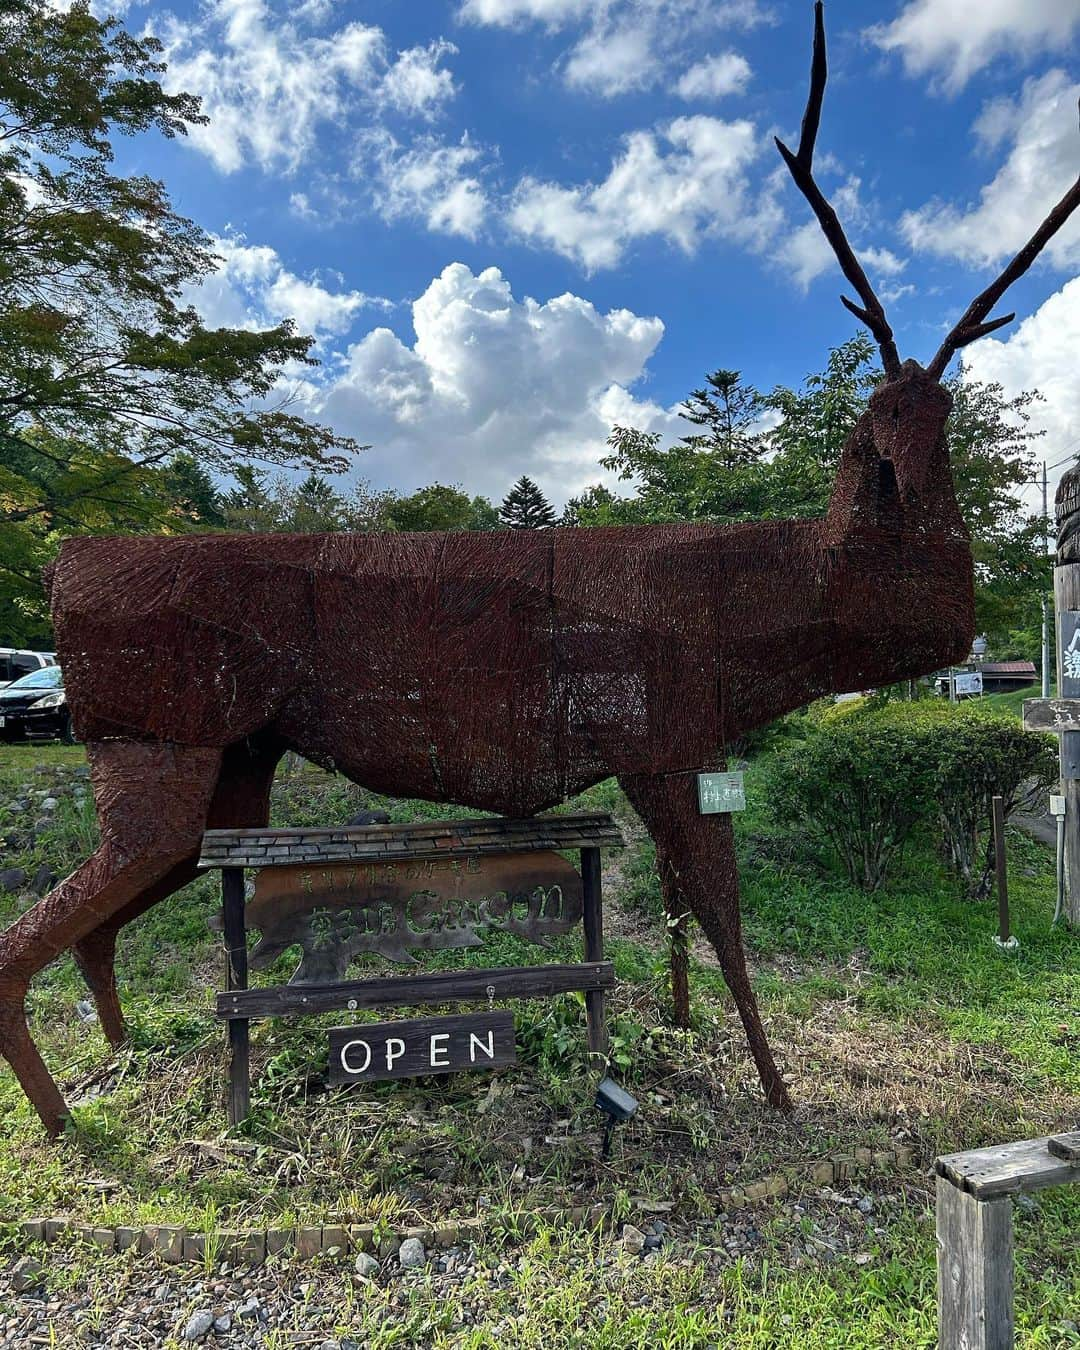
pixel 251 1247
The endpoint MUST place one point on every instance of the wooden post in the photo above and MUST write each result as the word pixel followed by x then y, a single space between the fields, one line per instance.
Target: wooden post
pixel 1067 605
pixel 236 977
pixel 975 1270
pixel 593 919
pixel 975 1192
pixel 678 929
pixel 998 811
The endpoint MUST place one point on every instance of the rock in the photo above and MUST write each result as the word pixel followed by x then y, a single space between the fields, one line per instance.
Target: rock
pixel 330 1345
pixel 49 804
pixel 85 1011
pixel 411 1254
pixel 81 771
pixel 223 1323
pixel 369 818
pixel 44 880
pixel 633 1239
pixel 250 1308
pixel 199 1323
pixel 26 1274
pixel 864 1205
pixel 366 1265
pixel 12 879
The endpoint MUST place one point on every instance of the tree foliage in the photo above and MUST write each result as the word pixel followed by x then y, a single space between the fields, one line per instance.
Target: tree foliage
pixel 438 507
pixel 107 374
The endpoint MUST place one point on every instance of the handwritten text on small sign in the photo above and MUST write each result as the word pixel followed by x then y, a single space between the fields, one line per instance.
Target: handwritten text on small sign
pixel 720 792
pixel 372 1051
pixel 1052 714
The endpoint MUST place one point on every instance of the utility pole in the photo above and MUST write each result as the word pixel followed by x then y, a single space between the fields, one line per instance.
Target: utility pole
pixel 1045 607
pixel 1067 604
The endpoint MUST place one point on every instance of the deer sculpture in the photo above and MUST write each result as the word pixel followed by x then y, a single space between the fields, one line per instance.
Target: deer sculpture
pixel 502 671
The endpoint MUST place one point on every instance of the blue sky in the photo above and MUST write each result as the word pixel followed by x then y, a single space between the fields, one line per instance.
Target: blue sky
pixel 511 223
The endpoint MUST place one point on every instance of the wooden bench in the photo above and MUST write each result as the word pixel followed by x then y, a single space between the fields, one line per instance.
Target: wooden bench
pixel 975 1192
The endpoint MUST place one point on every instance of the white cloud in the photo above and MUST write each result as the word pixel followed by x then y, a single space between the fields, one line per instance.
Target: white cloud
pixel 268 84
pixel 429 181
pixel 715 77
pixel 957 38
pixel 625 45
pixel 1041 354
pixel 504 13
pixel 253 289
pixel 416 83
pixel 682 182
pixel 493 387
pixel 1040 129
pixel 883 261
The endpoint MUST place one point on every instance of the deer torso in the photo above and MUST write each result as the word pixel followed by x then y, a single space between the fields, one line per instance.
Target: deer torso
pixel 502 670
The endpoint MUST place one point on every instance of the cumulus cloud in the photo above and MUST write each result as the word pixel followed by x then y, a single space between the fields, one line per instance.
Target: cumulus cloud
pixel 681 182
pixel 1041 354
pixel 493 387
pixel 1039 129
pixel 253 289
pixel 955 39
pixel 715 77
pixel 268 83
pixel 429 181
pixel 623 45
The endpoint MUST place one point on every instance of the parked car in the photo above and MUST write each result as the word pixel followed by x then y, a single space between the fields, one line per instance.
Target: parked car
pixel 35 708
pixel 14 663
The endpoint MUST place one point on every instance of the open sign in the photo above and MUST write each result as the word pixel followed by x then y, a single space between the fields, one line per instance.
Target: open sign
pixel 412 1048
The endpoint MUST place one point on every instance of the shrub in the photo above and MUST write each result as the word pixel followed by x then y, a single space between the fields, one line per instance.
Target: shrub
pixel 865 780
pixel 864 783
pixel 979 755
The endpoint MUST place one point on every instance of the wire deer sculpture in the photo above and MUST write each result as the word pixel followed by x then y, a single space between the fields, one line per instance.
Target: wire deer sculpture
pixel 502 671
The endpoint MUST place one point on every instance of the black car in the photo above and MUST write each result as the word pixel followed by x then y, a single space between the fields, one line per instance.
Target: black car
pixel 36 707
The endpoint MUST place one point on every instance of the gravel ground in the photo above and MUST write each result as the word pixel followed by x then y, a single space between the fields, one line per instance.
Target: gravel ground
pixel 90 1301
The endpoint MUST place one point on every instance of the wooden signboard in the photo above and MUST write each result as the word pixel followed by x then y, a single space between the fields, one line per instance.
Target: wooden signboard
pixel 372 1051
pixel 1052 714
pixel 338 912
pixel 337 893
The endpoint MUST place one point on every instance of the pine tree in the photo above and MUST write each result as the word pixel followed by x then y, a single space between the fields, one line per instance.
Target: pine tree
pixel 525 507
pixel 727 409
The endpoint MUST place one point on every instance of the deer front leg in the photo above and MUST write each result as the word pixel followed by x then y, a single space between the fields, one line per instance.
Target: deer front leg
pixel 695 856
pixel 152 802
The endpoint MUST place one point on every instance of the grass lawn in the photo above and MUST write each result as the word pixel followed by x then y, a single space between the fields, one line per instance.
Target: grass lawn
pixel 895 1019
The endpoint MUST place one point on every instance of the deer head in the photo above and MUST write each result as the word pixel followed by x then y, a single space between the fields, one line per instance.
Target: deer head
pixel 908 483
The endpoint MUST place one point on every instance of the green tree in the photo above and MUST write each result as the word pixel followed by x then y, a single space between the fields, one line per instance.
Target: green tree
pixel 191 495
pixel 105 371
pixel 438 507
pixel 525 507
pixel 728 410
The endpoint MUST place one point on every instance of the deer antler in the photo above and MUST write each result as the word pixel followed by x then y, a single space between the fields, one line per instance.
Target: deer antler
pixel 801 165
pixel 974 324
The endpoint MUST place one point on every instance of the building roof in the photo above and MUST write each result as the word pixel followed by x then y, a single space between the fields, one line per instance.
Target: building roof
pixel 1007 668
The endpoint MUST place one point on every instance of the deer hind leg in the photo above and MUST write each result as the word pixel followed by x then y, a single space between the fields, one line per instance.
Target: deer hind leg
pixel 695 855
pixel 152 802
pixel 241 800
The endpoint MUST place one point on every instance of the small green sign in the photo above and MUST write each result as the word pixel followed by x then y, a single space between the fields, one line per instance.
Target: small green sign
pixel 720 792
